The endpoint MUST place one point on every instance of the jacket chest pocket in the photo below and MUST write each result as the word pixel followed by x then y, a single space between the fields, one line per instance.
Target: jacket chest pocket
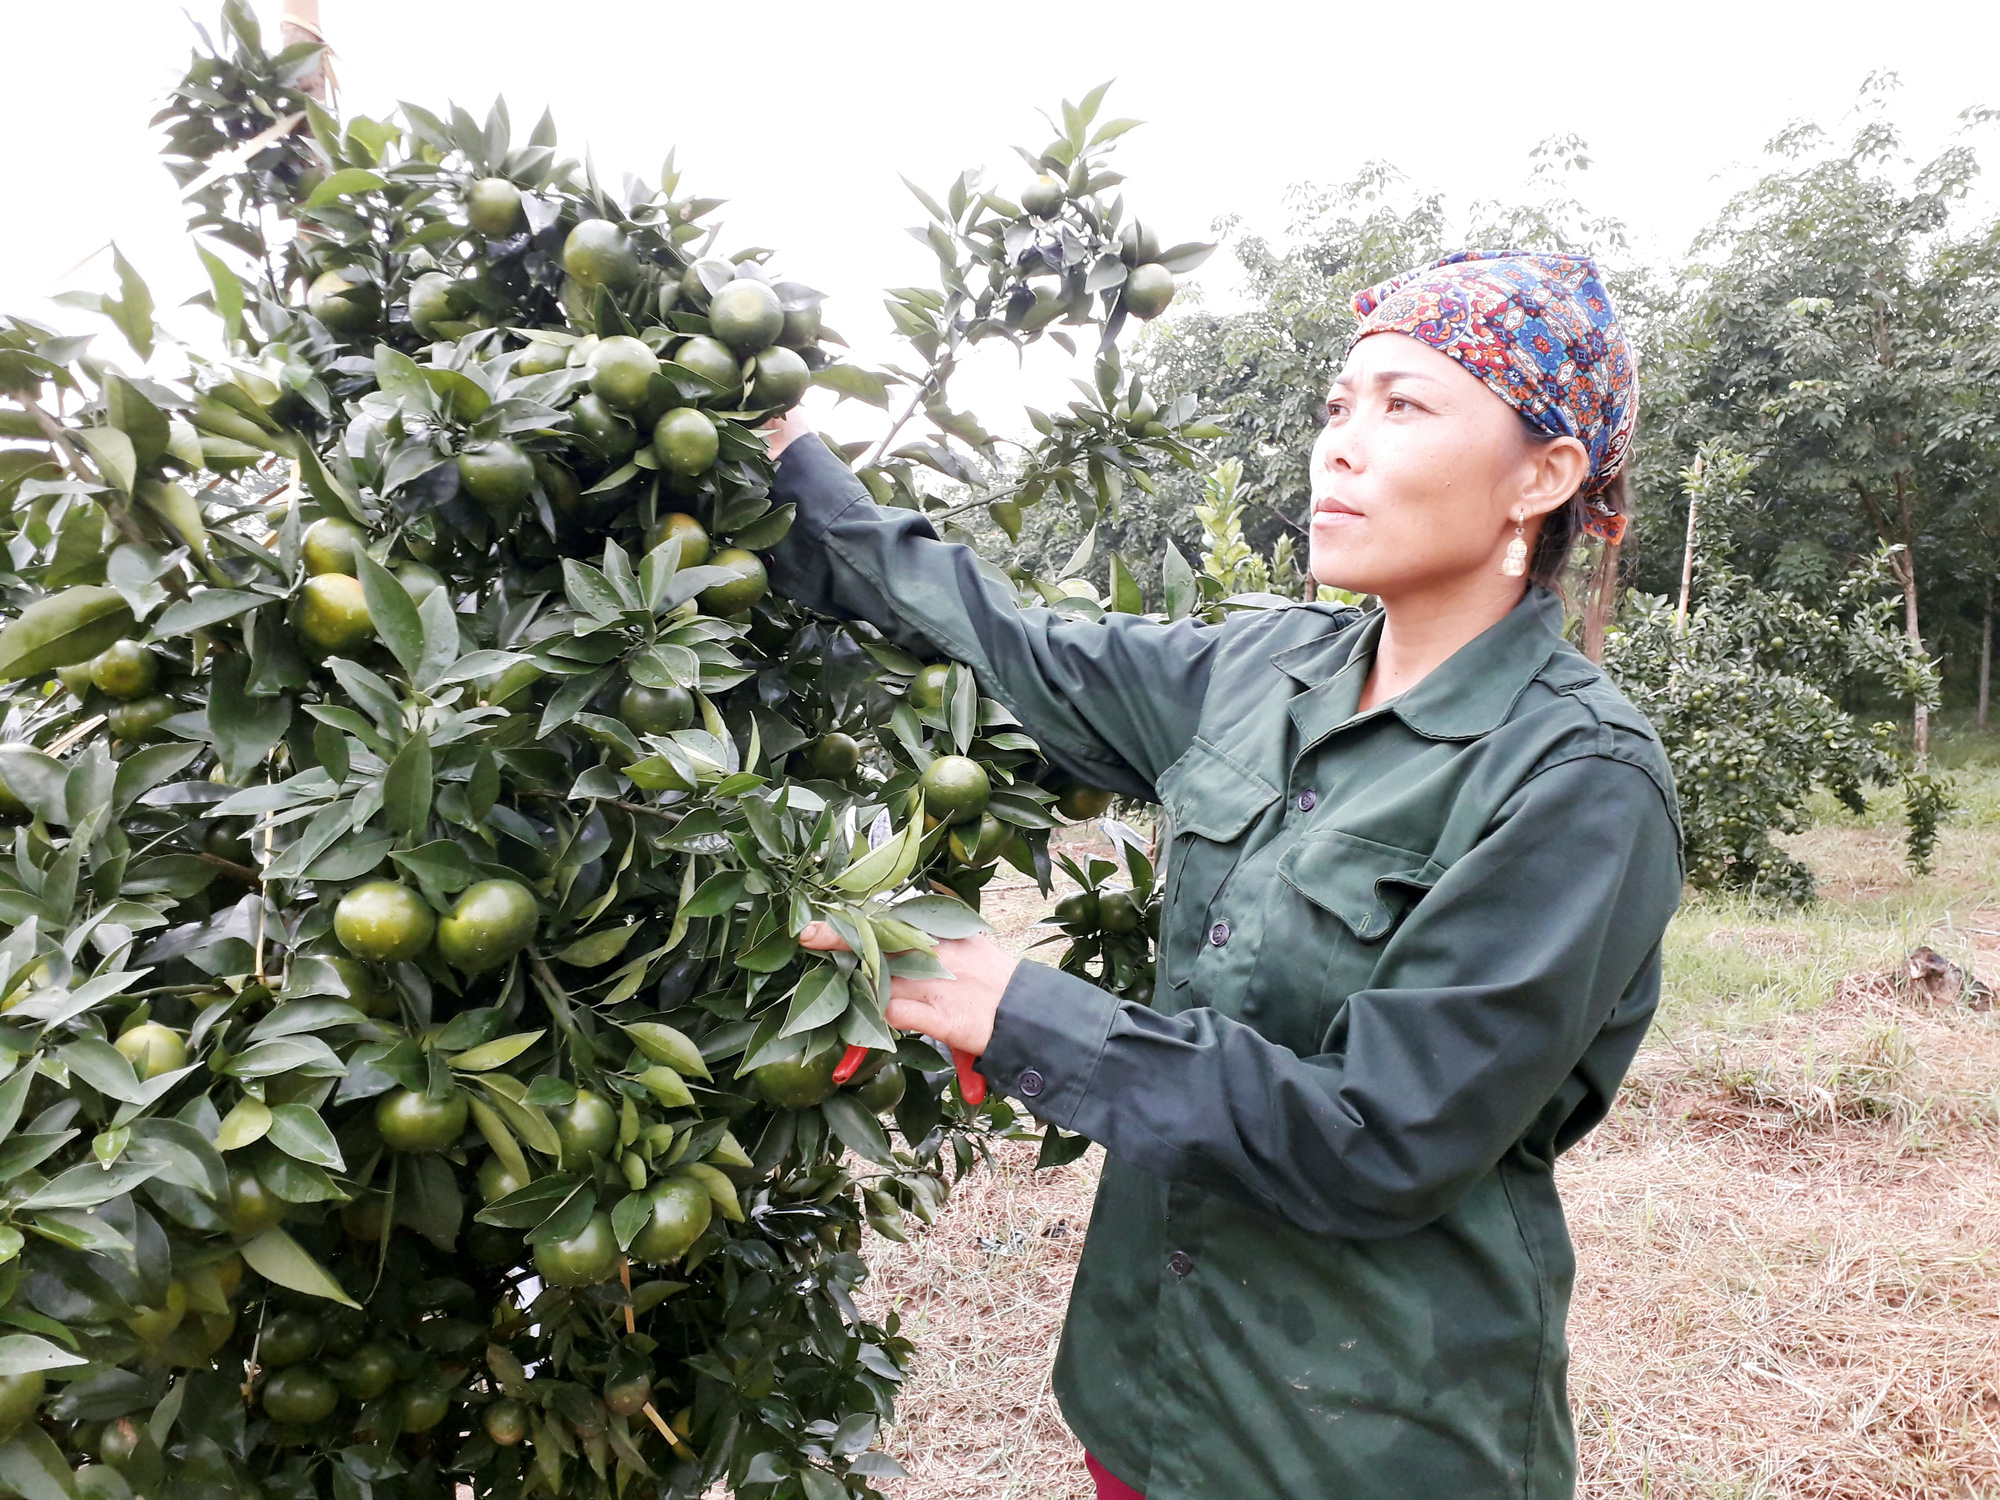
pixel 1351 894
pixel 1211 803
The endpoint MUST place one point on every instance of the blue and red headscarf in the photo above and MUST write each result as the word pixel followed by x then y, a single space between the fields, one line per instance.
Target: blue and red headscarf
pixel 1541 332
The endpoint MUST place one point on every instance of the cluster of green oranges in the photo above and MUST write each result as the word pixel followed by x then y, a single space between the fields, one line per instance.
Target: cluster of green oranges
pixel 127 676
pixel 1149 286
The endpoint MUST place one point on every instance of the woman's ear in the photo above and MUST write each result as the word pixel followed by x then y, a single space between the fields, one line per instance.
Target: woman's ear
pixel 1556 471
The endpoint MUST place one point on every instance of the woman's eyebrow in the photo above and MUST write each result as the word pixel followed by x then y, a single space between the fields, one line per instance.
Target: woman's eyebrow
pixel 1385 377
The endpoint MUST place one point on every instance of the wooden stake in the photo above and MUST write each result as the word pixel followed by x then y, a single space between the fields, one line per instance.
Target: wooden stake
pixel 301 24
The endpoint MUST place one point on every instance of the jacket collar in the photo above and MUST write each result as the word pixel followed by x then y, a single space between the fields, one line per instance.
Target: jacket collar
pixel 1467 696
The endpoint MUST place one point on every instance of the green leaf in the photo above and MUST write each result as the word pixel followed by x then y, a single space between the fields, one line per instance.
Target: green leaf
pixel 209 607
pixel 228 293
pixel 393 613
pixel 62 630
pixel 440 624
pixel 1178 578
pixel 133 312
pixel 243 728
pixel 406 788
pixel 667 1044
pixel 852 1122
pixel 299 1132
pixel 112 452
pixel 342 184
pixel 244 1125
pixel 1125 597
pixel 36 779
pixel 940 916
pixel 598 948
pixel 820 998
pixel 851 382
pixel 22 1352
pixel 276 1256
pixel 32 1467
pixel 496 1053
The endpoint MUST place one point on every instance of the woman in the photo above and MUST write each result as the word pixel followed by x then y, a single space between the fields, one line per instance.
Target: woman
pixel 1421 861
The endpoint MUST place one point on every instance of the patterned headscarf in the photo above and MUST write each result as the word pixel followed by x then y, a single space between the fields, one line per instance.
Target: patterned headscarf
pixel 1541 332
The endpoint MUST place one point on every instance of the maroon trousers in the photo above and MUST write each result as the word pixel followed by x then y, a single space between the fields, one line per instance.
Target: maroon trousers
pixel 1109 1485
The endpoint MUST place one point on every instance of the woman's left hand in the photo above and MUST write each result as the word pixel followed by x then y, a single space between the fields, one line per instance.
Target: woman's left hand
pixel 958 1011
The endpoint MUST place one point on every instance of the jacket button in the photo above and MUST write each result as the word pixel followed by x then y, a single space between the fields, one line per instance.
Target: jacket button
pixel 1180 1263
pixel 1307 798
pixel 1219 934
pixel 1031 1084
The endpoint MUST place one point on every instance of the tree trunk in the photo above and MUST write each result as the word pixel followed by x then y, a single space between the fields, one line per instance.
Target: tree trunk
pixel 1600 603
pixel 1985 655
pixel 301 24
pixel 1687 562
pixel 1906 570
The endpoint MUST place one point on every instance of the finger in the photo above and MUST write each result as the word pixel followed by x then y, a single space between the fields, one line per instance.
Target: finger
pixel 906 1014
pixel 821 938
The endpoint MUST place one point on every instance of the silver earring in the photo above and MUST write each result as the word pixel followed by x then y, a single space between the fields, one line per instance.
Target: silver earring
pixel 1515 563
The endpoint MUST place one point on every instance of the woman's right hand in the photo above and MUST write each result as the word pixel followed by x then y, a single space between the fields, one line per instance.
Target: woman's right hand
pixel 781 432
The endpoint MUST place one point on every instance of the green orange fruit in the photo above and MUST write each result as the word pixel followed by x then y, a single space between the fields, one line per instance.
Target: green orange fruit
pixel 497 1180
pixel 333 613
pixel 798 1083
pixel 370 1370
pixel 415 1123
pixel 647 710
pixel 1044 196
pixel 627 1398
pixel 345 300
pixel 883 1092
pixel 124 670
pixel 585 1258
pixel 778 379
pixel 424 1406
pixel 506 1422
pixel 956 788
pixel 331 545
pixel 365 990
pixel 834 757
pixel 1117 913
pixel 384 922
pixel 622 371
pixel 607 434
pixel 802 327
pixel 253 1208
pixel 152 1049
pixel 491 922
pixel 710 359
pixel 493 207
pixel 734 595
pixel 597 253
pixel 681 1210
pixel 541 357
pixel 300 1396
pixel 746 315
pixel 1148 290
pixel 1077 912
pixel 685 441
pixel 139 720
pixel 586 1127
pixel 418 581
pixel 497 474
pixel 291 1338
pixel 694 286
pixel 434 299
pixel 693 535
pixel 928 686
pixel 1079 803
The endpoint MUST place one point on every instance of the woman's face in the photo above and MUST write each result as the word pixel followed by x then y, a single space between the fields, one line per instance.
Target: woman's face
pixel 1419 473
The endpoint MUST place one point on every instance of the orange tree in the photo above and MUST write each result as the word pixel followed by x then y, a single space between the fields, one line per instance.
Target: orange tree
pixel 408 1074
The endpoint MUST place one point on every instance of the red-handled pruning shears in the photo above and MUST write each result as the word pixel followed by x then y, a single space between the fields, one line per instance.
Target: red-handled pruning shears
pixel 971 1082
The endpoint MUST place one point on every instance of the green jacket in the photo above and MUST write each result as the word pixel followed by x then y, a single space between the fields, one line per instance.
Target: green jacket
pixel 1405 959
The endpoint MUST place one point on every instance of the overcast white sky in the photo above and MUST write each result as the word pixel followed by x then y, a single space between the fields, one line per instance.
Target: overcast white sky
pixel 803 114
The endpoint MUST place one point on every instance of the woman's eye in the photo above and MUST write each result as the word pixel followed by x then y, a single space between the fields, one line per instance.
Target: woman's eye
pixel 1398 403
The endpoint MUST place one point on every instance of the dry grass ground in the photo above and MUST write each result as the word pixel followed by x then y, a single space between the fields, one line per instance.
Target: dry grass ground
pixel 1788 1233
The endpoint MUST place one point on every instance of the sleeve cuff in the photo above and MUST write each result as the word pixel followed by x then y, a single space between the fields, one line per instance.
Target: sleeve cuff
pixel 1048 1035
pixel 812 477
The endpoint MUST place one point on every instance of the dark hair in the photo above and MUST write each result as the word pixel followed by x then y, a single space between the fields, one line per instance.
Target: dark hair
pixel 1563 525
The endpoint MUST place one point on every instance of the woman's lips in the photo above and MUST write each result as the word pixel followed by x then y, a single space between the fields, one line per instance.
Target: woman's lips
pixel 1332 515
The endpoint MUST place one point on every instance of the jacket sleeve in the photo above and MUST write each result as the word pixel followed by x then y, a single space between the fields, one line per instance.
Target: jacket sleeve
pixel 1114 703
pixel 1534 956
